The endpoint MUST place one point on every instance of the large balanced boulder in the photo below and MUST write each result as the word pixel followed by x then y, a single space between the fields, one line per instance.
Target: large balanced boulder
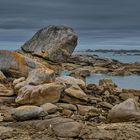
pixel 125 111
pixel 16 65
pixel 55 43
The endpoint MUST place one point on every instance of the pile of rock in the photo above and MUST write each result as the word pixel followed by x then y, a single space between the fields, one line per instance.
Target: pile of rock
pixel 34 98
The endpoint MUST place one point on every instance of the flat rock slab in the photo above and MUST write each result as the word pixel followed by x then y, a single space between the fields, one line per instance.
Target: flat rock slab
pixel 62 127
pixel 67 129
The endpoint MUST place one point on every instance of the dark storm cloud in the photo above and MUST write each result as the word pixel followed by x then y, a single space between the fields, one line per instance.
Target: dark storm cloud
pixel 20 18
pixel 82 14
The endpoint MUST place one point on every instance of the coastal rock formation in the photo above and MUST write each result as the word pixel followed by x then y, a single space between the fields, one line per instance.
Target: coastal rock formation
pixel 50 45
pixel 54 43
pixel 41 104
pixel 16 65
pixel 96 64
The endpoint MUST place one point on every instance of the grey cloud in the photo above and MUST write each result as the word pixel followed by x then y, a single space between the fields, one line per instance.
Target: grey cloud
pixel 19 19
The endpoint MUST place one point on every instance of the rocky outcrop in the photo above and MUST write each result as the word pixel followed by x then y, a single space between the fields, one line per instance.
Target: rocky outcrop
pixel 96 64
pixel 54 43
pixel 42 105
pixel 50 45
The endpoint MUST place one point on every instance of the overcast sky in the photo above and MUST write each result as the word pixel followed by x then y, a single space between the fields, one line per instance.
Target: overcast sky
pixel 19 19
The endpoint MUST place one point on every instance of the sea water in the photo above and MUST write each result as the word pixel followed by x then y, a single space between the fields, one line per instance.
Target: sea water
pixel 131 81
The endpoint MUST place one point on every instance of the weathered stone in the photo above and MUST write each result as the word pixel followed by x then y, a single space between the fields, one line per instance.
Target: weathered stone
pixel 125 111
pixel 5 130
pixel 45 124
pixel 80 73
pixel 40 94
pixel 68 129
pixel 106 105
pixel 5 92
pixel 62 127
pixel 7 100
pixel 134 92
pixel 40 76
pixel 107 83
pixel 66 112
pixel 16 65
pixel 95 89
pixel 76 92
pixel 27 112
pixel 20 85
pixel 19 80
pixel 125 96
pixel 57 67
pixel 2 76
pixel 67 106
pixel 55 43
pixel 1 117
pixel 49 108
pixel 83 110
pixel 6 113
pixel 68 80
pixel 72 100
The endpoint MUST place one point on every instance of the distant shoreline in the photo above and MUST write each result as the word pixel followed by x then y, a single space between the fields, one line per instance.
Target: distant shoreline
pixel 115 51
